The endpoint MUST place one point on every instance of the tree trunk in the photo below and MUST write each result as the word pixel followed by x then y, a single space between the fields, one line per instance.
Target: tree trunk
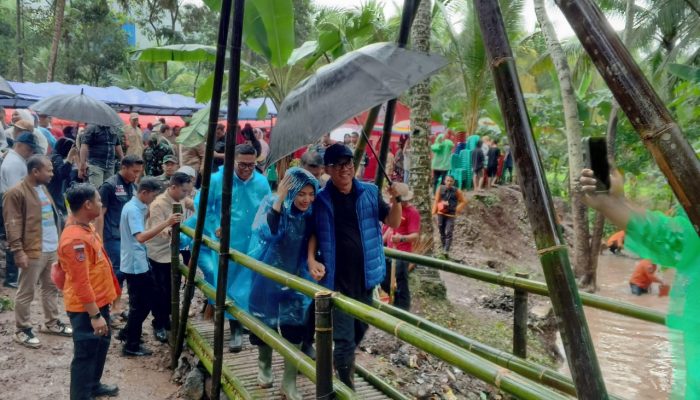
pixel 573 136
pixel 58 25
pixel 611 136
pixel 420 123
pixel 20 46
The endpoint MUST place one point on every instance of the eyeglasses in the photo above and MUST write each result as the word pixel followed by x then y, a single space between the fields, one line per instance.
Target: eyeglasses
pixel 243 165
pixel 344 165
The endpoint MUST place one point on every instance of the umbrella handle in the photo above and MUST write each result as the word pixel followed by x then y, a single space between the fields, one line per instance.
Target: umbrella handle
pixel 379 163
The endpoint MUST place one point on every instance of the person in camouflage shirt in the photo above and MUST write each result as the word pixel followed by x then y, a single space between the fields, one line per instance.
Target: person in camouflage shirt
pixel 154 155
pixel 170 166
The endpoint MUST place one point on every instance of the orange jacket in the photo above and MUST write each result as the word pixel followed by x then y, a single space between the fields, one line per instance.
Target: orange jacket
pixel 617 238
pixel 644 274
pixel 89 274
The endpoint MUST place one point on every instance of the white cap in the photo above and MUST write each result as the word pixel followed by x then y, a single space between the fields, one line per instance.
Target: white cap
pixel 186 169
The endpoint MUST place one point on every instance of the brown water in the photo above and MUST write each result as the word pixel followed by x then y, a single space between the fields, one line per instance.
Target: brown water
pixel 634 355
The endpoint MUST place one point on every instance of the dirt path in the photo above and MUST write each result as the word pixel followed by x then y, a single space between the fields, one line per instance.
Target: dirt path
pixel 45 373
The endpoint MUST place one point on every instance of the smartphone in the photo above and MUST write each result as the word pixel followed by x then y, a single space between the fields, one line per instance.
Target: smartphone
pixel 595 157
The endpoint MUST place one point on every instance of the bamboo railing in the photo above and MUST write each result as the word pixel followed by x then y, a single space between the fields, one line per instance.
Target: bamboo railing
pixel 476 366
pixel 530 286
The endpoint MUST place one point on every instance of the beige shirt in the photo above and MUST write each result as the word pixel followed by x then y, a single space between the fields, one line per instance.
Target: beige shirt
pixel 134 140
pixel 159 211
pixel 193 156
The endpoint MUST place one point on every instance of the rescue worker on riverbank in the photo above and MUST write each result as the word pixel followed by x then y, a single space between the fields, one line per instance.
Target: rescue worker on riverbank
pixel 643 276
pixel 668 241
pixel 280 237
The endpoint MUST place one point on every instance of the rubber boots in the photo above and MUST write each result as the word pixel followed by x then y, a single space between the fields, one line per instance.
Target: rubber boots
pixel 265 377
pixel 346 374
pixel 289 380
pixel 235 343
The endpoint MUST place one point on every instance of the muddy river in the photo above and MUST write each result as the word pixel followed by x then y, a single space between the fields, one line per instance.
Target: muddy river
pixel 634 355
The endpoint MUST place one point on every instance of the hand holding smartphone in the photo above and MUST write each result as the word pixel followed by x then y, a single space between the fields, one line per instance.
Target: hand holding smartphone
pixel 595 157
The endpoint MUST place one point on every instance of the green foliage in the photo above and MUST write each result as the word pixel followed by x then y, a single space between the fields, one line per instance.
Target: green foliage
pixel 269 29
pixel 6 304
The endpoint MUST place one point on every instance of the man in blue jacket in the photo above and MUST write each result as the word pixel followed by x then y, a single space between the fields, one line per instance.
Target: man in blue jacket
pixel 349 236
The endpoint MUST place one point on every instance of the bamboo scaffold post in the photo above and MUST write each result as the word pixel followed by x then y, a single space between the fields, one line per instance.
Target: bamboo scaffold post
pixel 520 320
pixel 215 106
pixel 645 110
pixel 407 16
pixel 324 345
pixel 552 249
pixel 530 286
pixel 226 193
pixel 175 279
pixel 487 371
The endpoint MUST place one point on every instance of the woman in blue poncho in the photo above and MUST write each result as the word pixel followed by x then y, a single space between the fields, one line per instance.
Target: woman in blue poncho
pixel 281 230
pixel 671 242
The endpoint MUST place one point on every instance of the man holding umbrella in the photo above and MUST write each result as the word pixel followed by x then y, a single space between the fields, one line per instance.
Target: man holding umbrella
pixel 348 233
pixel 98 148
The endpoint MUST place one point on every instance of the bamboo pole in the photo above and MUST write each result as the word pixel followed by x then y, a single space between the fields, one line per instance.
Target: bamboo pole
pixel 175 279
pixel 530 286
pixel 476 366
pixel 377 382
pixel 523 367
pixel 520 320
pixel 366 133
pixel 552 249
pixel 324 345
pixel 215 106
pixel 233 387
pixel 407 15
pixel 287 350
pixel 651 119
pixel 226 192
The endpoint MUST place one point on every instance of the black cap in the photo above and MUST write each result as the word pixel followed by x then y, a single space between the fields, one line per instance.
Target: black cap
pixel 28 139
pixel 335 152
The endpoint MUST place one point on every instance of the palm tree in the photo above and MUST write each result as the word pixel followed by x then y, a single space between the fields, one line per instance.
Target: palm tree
pixel 58 26
pixel 420 122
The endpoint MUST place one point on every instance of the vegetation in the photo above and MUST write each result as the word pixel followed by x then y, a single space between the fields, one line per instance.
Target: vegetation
pixel 82 41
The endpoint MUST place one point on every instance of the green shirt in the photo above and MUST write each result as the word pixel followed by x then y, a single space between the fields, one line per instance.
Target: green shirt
pixel 442 151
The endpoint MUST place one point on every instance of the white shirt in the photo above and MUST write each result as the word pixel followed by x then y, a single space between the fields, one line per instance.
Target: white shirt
pixel 12 171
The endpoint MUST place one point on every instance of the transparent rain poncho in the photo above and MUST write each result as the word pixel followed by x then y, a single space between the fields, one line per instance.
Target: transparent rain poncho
pixel 672 242
pixel 271 302
pixel 247 196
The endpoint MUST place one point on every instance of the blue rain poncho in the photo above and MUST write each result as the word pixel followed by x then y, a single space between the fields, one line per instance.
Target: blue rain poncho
pixel 281 240
pixel 247 196
pixel 672 242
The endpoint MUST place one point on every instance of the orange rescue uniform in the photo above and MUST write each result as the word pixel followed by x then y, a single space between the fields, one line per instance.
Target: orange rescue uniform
pixel 643 274
pixel 617 238
pixel 89 274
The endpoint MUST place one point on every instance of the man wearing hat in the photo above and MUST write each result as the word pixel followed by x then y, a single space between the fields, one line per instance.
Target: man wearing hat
pixel 170 166
pixel 402 238
pixel 12 171
pixel 133 136
pixel 313 162
pixel 349 236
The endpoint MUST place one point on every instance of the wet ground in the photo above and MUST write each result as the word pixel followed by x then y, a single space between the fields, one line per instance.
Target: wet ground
pixel 634 355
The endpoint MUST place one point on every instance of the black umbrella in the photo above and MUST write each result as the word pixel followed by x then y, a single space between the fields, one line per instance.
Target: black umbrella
pixel 5 88
pixel 355 82
pixel 78 107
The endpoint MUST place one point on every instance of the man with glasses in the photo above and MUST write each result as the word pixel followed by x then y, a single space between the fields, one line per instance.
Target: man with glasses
pixel 349 236
pixel 249 188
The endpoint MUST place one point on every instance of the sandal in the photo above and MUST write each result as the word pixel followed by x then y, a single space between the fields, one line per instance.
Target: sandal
pixel 58 328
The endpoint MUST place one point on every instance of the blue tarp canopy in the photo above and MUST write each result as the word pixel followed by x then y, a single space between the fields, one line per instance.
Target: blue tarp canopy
pixel 122 100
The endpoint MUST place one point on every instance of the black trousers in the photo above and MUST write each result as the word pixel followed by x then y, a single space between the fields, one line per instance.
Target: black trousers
pixel 293 333
pixel 348 332
pixel 446 226
pixel 11 272
pixel 161 294
pixel 89 355
pixel 141 290
pixel 402 296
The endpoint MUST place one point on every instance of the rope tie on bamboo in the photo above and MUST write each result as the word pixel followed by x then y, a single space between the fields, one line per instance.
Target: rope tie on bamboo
pixel 500 374
pixel 500 60
pixel 551 249
pixel 396 328
pixel 654 135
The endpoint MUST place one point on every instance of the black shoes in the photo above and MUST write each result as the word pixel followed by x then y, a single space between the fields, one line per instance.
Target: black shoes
pixel 139 352
pixel 105 390
pixel 12 285
pixel 161 335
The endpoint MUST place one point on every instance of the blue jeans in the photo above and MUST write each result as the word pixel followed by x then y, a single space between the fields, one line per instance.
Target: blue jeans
pixel 638 291
pixel 114 252
pixel 89 355
pixel 348 332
